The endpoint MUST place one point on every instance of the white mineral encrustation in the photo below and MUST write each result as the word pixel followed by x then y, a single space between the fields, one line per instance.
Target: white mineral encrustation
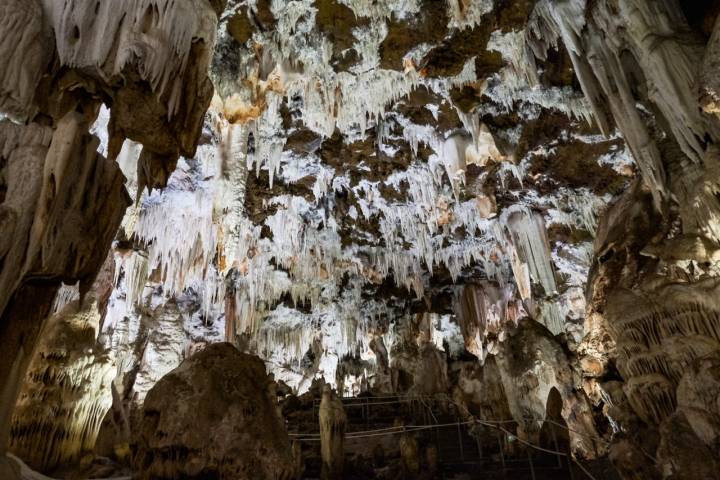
pixel 510 206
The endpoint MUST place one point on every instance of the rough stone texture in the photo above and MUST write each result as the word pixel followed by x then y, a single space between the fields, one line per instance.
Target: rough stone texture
pixel 67 388
pixel 531 363
pixel 64 203
pixel 698 397
pixel 23 55
pixel 480 390
pixel 60 201
pixel 418 366
pixel 172 47
pixel 164 350
pixel 652 287
pixel 661 329
pixel 213 417
pixel 682 454
pixel 709 91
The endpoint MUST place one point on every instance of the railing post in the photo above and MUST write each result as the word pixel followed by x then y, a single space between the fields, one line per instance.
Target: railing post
pixel 478 439
pixel 367 413
pixel 502 452
pixel 532 467
pixel 460 443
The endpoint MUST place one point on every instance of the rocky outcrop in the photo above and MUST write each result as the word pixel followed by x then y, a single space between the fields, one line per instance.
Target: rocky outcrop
pixel 63 205
pixel 479 389
pixel 418 366
pixel 213 417
pixel 165 348
pixel 147 342
pixel 67 389
pixel 653 325
pixel 659 314
pixel 531 364
pixel 24 54
pixel 171 45
pixel 61 201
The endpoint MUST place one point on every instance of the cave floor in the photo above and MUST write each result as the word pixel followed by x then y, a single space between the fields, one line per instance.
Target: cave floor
pixel 439 433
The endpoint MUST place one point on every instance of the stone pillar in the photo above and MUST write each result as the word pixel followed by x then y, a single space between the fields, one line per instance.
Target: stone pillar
pixel 332 435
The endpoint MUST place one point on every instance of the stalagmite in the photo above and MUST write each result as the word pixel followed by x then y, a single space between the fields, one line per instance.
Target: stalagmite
pixel 332 434
pixel 164 351
pixel 409 451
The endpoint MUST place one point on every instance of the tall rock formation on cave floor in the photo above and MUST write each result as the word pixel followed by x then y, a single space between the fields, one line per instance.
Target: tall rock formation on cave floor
pixel 214 416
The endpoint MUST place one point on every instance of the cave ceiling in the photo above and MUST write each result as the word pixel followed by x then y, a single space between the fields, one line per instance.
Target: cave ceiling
pixel 496 200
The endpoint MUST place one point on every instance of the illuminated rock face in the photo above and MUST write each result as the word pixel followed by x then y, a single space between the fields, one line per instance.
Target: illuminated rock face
pixel 396 196
pixel 61 211
pixel 531 364
pixel 661 315
pixel 213 417
pixel 651 311
pixel 62 201
pixel 67 389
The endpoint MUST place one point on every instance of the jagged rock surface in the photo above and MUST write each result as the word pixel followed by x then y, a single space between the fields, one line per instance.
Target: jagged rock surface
pixel 61 200
pixel 67 391
pixel 63 205
pixel 213 417
pixel 401 197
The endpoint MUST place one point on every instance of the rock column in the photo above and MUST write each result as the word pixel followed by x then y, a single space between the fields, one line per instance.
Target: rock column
pixel 332 434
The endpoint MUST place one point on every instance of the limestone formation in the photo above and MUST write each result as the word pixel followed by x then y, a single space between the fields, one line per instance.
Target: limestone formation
pixel 62 201
pixel 531 364
pixel 67 391
pixel 23 55
pixel 501 216
pixel 61 210
pixel 410 454
pixel 211 417
pixel 332 434
pixel 479 389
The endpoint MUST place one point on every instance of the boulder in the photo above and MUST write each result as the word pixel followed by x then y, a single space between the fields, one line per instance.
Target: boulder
pixel 213 417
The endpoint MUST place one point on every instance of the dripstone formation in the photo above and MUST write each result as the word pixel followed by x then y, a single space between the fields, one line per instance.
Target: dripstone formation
pixel 359 239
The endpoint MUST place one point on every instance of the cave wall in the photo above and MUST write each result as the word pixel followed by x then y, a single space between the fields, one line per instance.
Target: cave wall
pixel 67 388
pixel 59 209
pixel 654 323
pixel 62 201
